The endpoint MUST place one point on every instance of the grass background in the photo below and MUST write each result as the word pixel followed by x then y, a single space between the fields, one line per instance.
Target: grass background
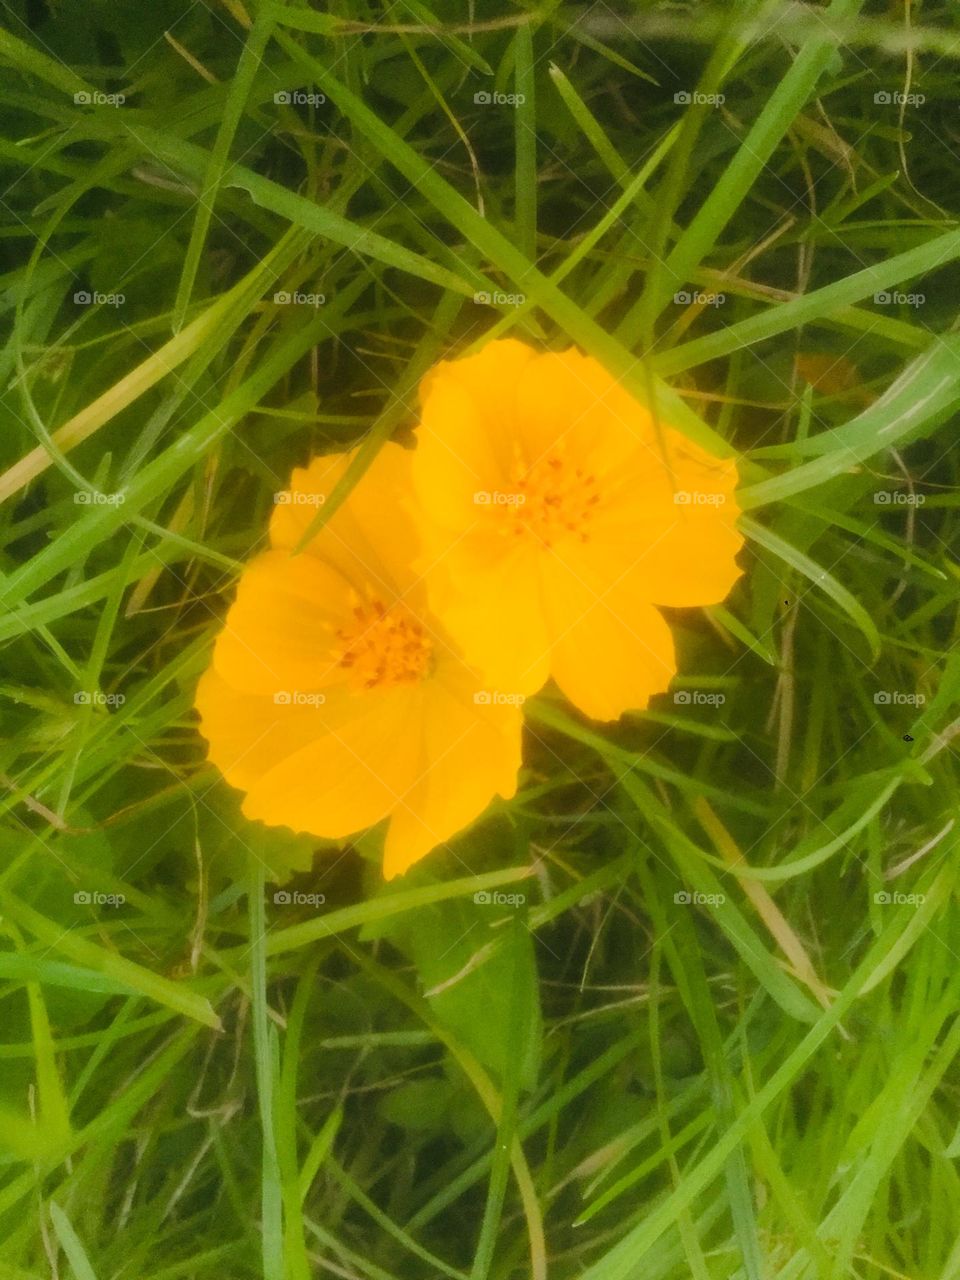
pixel 752 1079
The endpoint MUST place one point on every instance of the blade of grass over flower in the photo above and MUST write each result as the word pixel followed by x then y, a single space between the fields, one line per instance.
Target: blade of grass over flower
pixel 639 322
pixel 399 407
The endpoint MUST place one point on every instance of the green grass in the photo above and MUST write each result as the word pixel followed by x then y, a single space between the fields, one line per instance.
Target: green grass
pixel 718 1037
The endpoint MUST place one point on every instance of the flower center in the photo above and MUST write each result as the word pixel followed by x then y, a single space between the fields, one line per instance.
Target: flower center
pixel 383 647
pixel 555 498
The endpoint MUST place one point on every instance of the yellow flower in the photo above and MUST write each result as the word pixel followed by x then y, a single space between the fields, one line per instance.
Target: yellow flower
pixel 556 523
pixel 335 698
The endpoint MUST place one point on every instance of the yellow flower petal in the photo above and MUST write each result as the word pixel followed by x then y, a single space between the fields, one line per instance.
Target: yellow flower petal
pixel 635 645
pixel 336 698
pixel 470 753
pixel 568 401
pixel 280 632
pixel 371 537
pixel 499 621
pixel 248 734
pixel 347 779
pixel 590 502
